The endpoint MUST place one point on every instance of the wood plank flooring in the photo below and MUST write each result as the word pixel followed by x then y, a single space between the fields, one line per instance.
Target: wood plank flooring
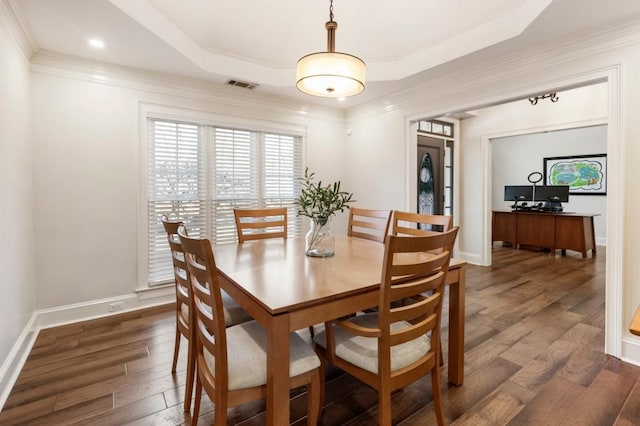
pixel 534 356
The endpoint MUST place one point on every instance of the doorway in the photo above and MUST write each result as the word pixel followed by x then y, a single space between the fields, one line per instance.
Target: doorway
pixel 475 217
pixel 435 167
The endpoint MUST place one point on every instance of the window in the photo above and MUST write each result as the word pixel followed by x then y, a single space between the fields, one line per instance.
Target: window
pixel 435 127
pixel 200 173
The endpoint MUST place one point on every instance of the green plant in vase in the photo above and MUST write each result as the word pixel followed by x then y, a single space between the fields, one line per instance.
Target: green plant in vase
pixel 319 202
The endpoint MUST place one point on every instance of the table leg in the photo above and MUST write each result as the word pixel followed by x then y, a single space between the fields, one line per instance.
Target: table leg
pixel 593 238
pixel 278 371
pixel 456 329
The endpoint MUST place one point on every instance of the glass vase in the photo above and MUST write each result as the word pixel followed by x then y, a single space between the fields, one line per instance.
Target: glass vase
pixel 319 241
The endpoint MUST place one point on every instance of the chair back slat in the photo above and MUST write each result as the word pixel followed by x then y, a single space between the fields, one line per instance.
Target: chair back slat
pixel 260 224
pixel 412 288
pixel 415 311
pixel 408 223
pixel 417 224
pixel 416 330
pixel 369 224
pixel 416 268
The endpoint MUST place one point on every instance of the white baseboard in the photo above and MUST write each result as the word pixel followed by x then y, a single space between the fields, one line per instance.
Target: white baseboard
pixel 631 350
pixel 601 241
pixel 17 357
pixel 62 315
pixel 474 259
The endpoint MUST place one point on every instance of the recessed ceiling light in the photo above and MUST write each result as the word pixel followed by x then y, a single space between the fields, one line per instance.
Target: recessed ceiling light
pixel 96 43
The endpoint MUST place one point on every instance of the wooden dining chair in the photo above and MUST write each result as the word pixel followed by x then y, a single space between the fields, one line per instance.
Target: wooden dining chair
pixel 407 223
pixel 369 224
pixel 232 362
pixel 185 314
pixel 395 346
pixel 260 224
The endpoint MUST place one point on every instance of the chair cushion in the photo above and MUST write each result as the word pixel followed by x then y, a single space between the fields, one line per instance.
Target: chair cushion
pixel 247 356
pixel 363 351
pixel 233 313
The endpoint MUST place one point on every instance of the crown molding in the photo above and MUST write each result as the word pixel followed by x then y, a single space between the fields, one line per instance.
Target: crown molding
pixel 66 66
pixel 11 18
pixel 537 58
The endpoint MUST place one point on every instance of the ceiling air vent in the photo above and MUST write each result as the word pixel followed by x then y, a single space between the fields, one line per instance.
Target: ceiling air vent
pixel 244 84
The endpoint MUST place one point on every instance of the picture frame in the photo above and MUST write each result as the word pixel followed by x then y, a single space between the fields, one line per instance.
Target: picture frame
pixel 585 174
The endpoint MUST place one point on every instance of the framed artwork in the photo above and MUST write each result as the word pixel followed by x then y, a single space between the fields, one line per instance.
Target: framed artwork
pixel 585 174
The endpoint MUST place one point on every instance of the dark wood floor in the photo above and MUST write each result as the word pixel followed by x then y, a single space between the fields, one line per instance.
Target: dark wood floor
pixel 534 356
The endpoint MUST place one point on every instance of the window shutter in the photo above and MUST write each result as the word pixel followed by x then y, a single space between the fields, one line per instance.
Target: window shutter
pixel 282 170
pixel 176 189
pixel 234 179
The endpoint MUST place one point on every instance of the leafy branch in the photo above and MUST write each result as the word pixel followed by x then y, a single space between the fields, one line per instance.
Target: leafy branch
pixel 320 202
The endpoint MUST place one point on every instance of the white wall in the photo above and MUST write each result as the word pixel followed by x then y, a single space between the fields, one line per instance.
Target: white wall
pixel 17 282
pixel 514 157
pixel 376 151
pixel 87 173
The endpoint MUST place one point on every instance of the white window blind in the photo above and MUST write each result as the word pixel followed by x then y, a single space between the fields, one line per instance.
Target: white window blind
pixel 282 170
pixel 234 179
pixel 176 188
pixel 199 174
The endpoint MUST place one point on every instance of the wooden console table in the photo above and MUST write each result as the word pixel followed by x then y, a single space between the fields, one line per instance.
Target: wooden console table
pixel 565 231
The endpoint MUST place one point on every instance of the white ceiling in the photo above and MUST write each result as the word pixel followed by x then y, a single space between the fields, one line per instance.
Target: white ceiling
pixel 260 41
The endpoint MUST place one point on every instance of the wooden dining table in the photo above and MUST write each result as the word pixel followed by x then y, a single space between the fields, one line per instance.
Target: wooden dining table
pixel 285 290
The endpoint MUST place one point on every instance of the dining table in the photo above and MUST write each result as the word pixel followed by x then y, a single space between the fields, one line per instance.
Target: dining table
pixel 285 290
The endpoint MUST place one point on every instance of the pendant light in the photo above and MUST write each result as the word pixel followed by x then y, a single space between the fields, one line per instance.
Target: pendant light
pixel 330 74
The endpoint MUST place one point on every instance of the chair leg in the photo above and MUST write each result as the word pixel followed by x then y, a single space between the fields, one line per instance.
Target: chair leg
pixel 220 414
pixel 384 408
pixel 196 405
pixel 191 372
pixel 176 350
pixel 315 391
pixel 437 396
pixel 322 377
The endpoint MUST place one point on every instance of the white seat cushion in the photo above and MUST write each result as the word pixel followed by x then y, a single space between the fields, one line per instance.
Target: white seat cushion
pixel 363 351
pixel 233 313
pixel 247 356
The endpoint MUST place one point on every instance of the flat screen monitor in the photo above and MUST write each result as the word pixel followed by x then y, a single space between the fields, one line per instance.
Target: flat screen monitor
pixel 518 193
pixel 553 193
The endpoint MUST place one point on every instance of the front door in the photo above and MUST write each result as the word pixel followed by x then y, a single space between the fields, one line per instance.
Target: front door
pixel 430 175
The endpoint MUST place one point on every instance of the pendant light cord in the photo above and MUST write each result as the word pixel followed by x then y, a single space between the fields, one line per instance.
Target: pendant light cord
pixel 331 27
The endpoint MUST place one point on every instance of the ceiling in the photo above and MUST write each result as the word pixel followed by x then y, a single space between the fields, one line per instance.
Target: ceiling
pixel 260 41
